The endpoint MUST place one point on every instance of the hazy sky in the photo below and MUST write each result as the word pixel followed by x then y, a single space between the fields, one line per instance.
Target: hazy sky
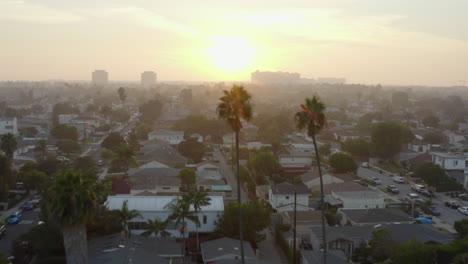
pixel 366 41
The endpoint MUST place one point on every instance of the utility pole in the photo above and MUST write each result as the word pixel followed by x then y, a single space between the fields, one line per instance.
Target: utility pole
pixel 294 227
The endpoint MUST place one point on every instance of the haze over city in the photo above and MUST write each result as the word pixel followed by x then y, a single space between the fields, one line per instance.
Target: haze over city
pixel 364 41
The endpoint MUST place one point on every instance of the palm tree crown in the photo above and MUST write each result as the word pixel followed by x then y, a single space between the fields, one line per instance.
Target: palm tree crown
pixel 124 215
pixel 234 107
pixel 312 117
pixel 156 227
pixel 180 208
pixel 9 145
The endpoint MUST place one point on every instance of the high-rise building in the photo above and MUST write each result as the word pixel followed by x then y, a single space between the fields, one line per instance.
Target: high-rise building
pixel 148 78
pixel 267 77
pixel 100 77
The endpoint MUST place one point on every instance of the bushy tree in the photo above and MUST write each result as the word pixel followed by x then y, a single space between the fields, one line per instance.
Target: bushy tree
pixel 382 245
pixel 62 108
pixel 414 251
pixel 342 162
pixel 62 131
pixel 435 176
pixel 431 121
pixel 113 141
pixel 434 138
pixel 387 138
pixel 263 164
pixel 68 146
pixel 358 147
pixel 462 227
pixel 188 178
pixel 33 180
pixel 150 111
pixel 192 149
pixel 8 145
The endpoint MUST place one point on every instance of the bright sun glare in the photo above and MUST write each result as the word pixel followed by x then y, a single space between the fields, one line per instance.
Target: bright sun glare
pixel 230 54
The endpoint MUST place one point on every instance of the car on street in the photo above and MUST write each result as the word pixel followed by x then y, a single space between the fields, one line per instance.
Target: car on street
pixel 463 210
pixel 452 204
pixel 376 181
pixel 15 218
pixel 100 163
pixel 398 179
pixel 413 197
pixel 2 231
pixel 393 189
pixel 361 183
pixel 422 220
pixel 29 206
pixel 427 193
pixel 365 165
pixel 463 197
pixel 36 199
pixel 433 211
pixel 418 188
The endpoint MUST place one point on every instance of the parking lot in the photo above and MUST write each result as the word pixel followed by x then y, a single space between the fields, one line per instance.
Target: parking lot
pixel 29 219
pixel 448 215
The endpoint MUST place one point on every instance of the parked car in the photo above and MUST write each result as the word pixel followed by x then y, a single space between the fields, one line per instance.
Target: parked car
pixel 15 218
pixel 463 210
pixel 433 211
pixel 452 204
pixel 376 181
pixel 2 231
pixel 463 197
pixel 422 220
pixel 29 206
pixel 399 179
pixel 365 165
pixel 427 193
pixel 418 188
pixel 36 199
pixel 362 183
pixel 414 197
pixel 393 189
pixel 100 163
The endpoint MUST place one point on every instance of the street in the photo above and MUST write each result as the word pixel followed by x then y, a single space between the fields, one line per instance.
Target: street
pixel 229 175
pixel 30 219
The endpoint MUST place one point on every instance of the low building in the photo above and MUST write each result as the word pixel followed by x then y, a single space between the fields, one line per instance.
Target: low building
pixel 8 125
pixel 224 250
pixel 312 178
pixel 152 207
pixel 161 152
pixel 360 199
pixel 169 136
pixel 450 161
pixel 155 180
pixel 375 216
pixel 419 147
pixel 209 170
pixel 281 197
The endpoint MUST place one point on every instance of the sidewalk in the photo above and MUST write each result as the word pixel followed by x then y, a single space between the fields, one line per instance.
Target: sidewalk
pixel 7 213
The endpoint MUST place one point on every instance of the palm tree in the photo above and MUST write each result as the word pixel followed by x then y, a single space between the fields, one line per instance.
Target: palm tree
pixel 234 107
pixel 71 200
pixel 124 215
pixel 9 145
pixel 41 147
pixel 198 199
pixel 156 227
pixel 180 208
pixel 312 118
pixel 122 95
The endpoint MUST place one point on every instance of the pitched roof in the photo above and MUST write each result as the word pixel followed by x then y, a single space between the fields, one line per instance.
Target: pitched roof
pixel 149 178
pixel 121 186
pixel 157 203
pixel 316 257
pixel 288 188
pixel 225 249
pixel 377 215
pixel 341 187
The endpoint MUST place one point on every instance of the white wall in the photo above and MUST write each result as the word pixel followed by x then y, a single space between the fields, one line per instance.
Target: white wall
pixel 8 126
pixel 360 202
pixel 281 200
pixel 292 161
pixel 171 139
pixel 449 163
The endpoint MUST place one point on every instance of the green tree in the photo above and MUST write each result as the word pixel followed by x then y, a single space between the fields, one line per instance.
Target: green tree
pixel 122 95
pixel 28 132
pixel 71 201
pixel 228 226
pixel 325 149
pixel 387 138
pixel 68 146
pixel 150 111
pixel 414 251
pixel 113 141
pixel 62 108
pixel 359 147
pixel 235 107
pixel 123 159
pixel 124 215
pixel 33 180
pixel 263 164
pixel 156 227
pixel 41 147
pixel 382 245
pixel 312 118
pixel 343 162
pixel 198 199
pixel 187 178
pixel 431 173
pixel 62 131
pixel 192 149
pixel 9 145
pixel 431 121
pixel 462 227
pixel 5 172
pixel 434 138
pixel 142 130
pixel 460 259
pixel 180 208
pixel 86 165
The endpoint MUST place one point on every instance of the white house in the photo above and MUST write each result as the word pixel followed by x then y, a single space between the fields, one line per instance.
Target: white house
pixel 8 125
pixel 450 161
pixel 208 170
pixel 311 178
pixel 295 160
pixel 152 207
pixel 419 147
pixel 302 148
pixel 171 137
pixel 281 197
pixel 360 199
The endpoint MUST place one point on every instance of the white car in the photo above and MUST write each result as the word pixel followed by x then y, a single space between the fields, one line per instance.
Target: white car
pixel 365 165
pixel 376 181
pixel 398 179
pixel 418 187
pixel 463 210
pixel 414 197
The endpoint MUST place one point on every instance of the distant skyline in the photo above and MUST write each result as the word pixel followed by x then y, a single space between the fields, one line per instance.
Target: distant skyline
pixel 392 42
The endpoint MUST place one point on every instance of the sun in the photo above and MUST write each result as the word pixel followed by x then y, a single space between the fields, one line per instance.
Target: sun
pixel 230 54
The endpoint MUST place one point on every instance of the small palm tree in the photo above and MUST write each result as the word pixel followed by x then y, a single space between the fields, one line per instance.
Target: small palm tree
pixel 9 145
pixel 198 199
pixel 72 200
pixel 312 118
pixel 122 95
pixel 156 227
pixel 234 108
pixel 180 208
pixel 124 215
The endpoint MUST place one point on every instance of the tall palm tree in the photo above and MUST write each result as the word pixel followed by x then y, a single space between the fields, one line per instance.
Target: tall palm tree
pixel 9 145
pixel 156 227
pixel 198 199
pixel 41 147
pixel 71 200
pixel 125 215
pixel 235 107
pixel 312 118
pixel 122 95
pixel 180 208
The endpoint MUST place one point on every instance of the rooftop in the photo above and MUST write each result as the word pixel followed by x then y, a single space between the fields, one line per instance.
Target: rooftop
pixel 225 249
pixel 288 188
pixel 156 203
pixel 377 215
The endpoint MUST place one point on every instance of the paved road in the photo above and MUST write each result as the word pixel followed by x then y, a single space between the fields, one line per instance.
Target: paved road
pixel 448 215
pixel 229 175
pixel 269 251
pixel 30 219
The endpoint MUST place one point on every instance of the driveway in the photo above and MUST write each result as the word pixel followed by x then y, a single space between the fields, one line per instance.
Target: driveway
pixel 269 251
pixel 229 175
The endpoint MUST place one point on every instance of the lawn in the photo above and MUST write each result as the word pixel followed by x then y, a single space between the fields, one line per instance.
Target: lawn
pixel 388 200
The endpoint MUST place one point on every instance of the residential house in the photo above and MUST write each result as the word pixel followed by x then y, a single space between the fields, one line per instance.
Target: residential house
pixel 411 162
pixel 209 170
pixel 224 250
pixel 419 147
pixel 316 257
pixel 212 185
pixel 450 161
pixel 155 180
pixel 8 125
pixel 365 199
pixel 295 164
pixel 121 187
pixel 151 207
pixel 312 179
pixel 257 145
pixel 281 197
pixel 343 135
pixel 160 151
pixel 168 136
pixel 374 216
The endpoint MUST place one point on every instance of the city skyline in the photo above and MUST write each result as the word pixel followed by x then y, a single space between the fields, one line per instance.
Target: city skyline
pixel 392 43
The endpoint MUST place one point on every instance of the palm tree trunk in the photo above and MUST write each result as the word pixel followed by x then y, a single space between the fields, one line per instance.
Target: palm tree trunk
pixel 183 239
pixel 74 240
pixel 322 204
pixel 196 230
pixel 239 201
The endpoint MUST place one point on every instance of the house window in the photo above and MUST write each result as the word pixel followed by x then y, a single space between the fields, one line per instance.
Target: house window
pixel 287 197
pixel 205 219
pixel 455 163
